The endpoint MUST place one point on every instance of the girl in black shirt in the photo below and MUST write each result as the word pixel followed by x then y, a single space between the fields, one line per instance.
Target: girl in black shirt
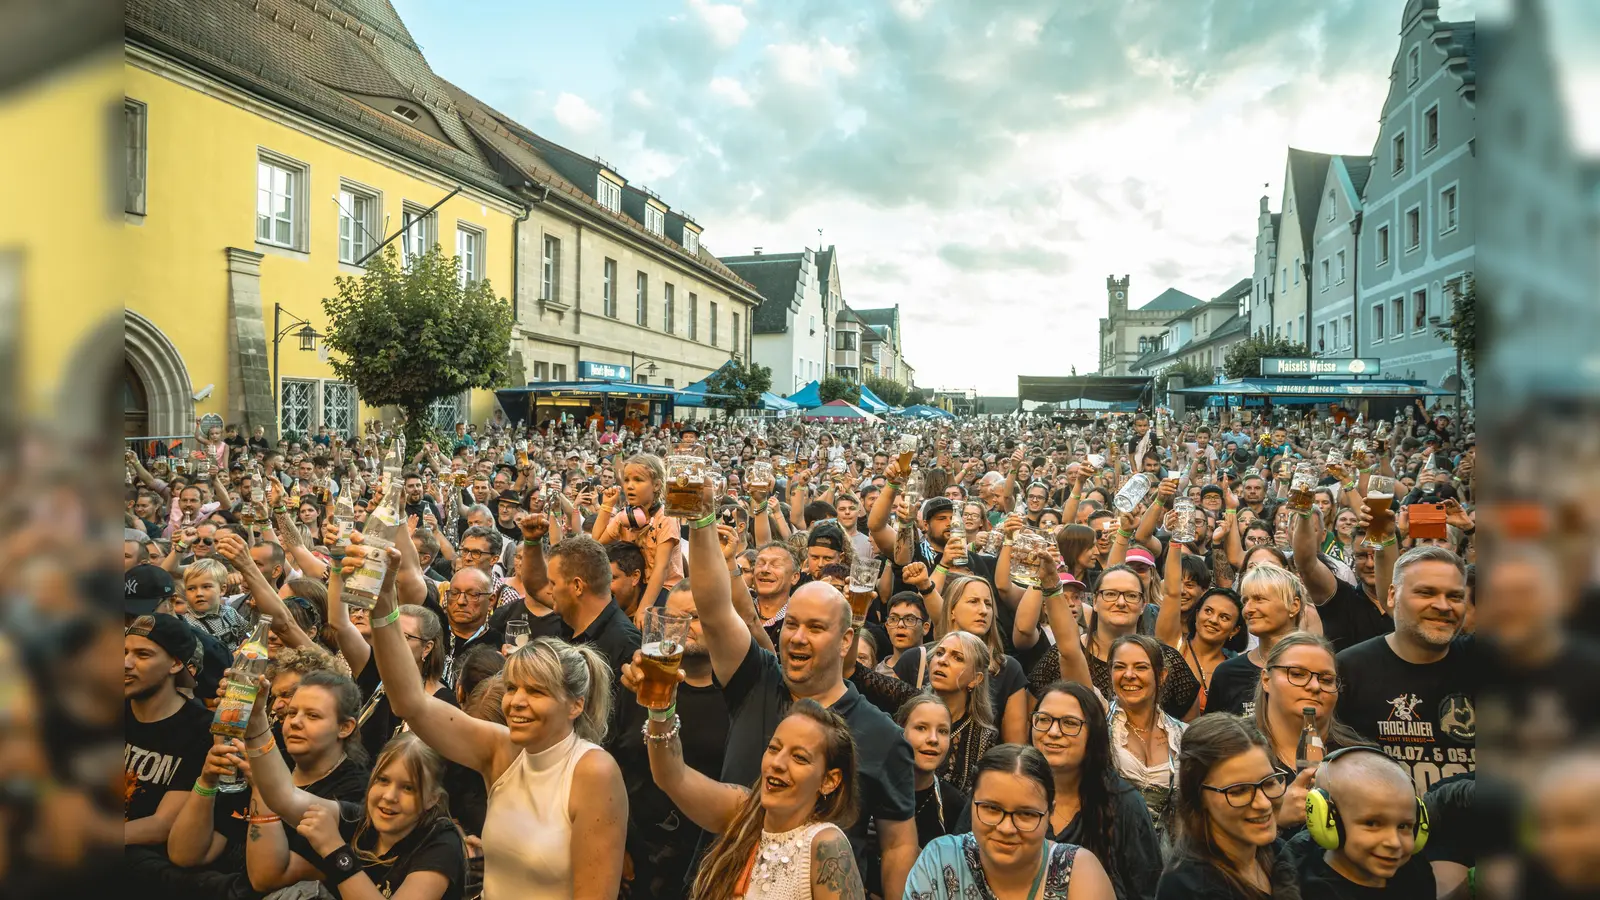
pixel 942 808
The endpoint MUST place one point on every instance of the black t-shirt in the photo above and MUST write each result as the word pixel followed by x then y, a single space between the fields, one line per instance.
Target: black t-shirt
pixel 547 625
pixel 455 646
pixel 383 724
pixel 661 839
pixel 163 756
pixel 1318 880
pixel 1135 865
pixel 1349 617
pixel 1194 879
pixel 1233 686
pixel 432 847
pixel 1525 711
pixel 942 808
pixel 347 784
pixel 758 699
pixel 1421 715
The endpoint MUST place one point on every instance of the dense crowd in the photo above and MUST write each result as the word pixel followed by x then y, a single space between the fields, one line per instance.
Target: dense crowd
pixel 1112 655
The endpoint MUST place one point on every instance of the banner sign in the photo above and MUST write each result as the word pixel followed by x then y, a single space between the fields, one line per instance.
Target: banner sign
pixel 605 370
pixel 1279 365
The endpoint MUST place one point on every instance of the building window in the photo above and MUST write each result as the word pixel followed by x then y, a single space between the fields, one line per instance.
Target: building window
pixel 1283 281
pixel 738 336
pixel 1322 338
pixel 550 275
pixel 1333 204
pixel 667 311
pixel 541 371
pixel 558 372
pixel 1413 228
pixel 1453 290
pixel 608 289
pixel 419 233
pixel 1419 309
pixel 1398 314
pixel 1377 322
pixel 339 408
pixel 1340 258
pixel 1297 270
pixel 609 194
pixel 655 221
pixel 469 250
pixel 694 316
pixel 358 218
pixel 670 382
pixel 1398 160
pixel 641 300
pixel 1449 209
pixel 134 115
pixel 1430 128
pixel 713 323
pixel 1413 66
pixel 845 340
pixel 1382 241
pixel 280 201
pixel 447 411
pixel 1326 269
pixel 1349 332
pixel 296 396
pixel 691 242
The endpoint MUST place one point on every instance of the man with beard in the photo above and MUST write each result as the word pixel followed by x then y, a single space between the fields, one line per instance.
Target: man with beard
pixel 167 733
pixel 1254 496
pixel 759 688
pixel 1414 691
pixel 416 503
pixel 661 839
pixel 1350 614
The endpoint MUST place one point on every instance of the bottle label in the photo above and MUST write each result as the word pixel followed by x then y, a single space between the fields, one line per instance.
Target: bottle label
pixel 233 713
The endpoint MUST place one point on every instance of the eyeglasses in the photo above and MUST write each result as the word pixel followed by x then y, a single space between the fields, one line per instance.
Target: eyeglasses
pixel 463 595
pixel 1071 726
pixel 465 553
pixel 412 637
pixel 907 621
pixel 1300 677
pixel 1124 598
pixel 1025 820
pixel 1244 793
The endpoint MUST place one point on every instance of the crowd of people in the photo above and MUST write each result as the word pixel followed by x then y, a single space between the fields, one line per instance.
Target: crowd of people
pixel 1106 656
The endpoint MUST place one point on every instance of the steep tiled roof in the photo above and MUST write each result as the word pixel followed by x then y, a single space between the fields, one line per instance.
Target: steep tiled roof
pixel 1308 171
pixel 346 63
pixel 1359 168
pixel 824 269
pixel 1169 300
pixel 776 277
pixel 883 316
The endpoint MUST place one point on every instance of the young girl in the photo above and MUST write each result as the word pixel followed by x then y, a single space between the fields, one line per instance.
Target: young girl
pixel 941 806
pixel 641 520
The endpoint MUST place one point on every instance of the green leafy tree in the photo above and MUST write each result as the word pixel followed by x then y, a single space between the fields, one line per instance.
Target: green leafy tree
pixel 1193 374
pixel 407 336
pixel 1462 332
pixel 890 392
pixel 916 396
pixel 835 388
pixel 1244 358
pixel 743 384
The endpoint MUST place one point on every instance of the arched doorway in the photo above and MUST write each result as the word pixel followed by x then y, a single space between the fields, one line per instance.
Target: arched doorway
pixel 156 368
pixel 135 403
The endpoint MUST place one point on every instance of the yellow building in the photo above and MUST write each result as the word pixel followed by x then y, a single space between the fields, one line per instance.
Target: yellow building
pixel 271 145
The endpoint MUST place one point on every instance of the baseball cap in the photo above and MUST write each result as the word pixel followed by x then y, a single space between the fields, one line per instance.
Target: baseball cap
pixel 1070 581
pixel 1140 555
pixel 170 633
pixel 935 505
pixel 830 536
pixel 144 587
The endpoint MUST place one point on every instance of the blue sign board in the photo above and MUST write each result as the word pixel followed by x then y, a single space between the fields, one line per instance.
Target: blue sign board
pixel 605 370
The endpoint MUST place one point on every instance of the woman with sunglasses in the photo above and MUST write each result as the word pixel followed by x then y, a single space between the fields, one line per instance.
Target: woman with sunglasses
pixel 1094 807
pixel 1008 852
pixel 1225 843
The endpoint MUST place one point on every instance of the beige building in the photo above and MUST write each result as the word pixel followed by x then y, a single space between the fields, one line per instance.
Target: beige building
pixel 888 358
pixel 1127 335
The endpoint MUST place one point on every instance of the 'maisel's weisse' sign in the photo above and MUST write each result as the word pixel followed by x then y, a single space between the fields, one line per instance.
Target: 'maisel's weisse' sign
pixel 1281 365
pixel 604 370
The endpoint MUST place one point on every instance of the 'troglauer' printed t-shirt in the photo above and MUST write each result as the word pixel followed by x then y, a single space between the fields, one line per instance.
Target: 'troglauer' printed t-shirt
pixel 1423 716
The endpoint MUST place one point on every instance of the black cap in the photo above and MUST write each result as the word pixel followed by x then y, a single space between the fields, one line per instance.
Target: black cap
pixel 830 536
pixel 689 428
pixel 171 634
pixel 511 497
pixel 144 587
pixel 1212 489
pixel 934 505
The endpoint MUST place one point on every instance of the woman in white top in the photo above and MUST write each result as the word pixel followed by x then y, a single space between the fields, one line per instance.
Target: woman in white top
pixel 558 809
pixel 1144 739
pixel 782 838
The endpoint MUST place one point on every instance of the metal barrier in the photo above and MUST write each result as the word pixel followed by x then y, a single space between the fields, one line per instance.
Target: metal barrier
pixel 151 446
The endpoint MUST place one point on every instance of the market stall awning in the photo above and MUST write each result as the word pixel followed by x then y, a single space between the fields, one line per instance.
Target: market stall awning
pixel 808 396
pixel 589 387
pixel 871 402
pixel 1070 389
pixel 923 411
pixel 1311 389
pixel 839 411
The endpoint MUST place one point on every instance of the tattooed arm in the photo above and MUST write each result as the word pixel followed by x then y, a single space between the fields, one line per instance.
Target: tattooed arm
pixel 833 867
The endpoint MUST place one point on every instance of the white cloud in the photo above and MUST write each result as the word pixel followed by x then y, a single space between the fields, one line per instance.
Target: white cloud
pixel 912 9
pixel 576 114
pixel 726 23
pixel 806 64
pixel 730 90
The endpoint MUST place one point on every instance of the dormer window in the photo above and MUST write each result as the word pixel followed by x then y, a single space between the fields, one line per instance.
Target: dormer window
pixel 655 221
pixel 402 111
pixel 609 194
pixel 691 242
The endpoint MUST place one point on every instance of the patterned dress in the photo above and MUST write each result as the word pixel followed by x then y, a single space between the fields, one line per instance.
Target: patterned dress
pixel 949 868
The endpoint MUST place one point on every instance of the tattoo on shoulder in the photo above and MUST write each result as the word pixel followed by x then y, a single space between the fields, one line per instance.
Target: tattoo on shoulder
pixel 836 868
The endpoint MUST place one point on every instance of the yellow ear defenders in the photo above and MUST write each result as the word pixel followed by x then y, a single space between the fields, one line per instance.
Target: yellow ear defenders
pixel 1322 814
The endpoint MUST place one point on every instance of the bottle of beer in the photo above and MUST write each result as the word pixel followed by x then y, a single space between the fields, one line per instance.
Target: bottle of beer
pixel 233 711
pixel 344 516
pixel 958 529
pixel 383 528
pixel 1309 752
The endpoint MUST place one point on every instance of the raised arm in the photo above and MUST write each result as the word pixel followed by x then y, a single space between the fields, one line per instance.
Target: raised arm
pixel 883 536
pixel 231 548
pixel 531 571
pixel 709 804
pixel 1169 618
pixel 732 543
pixel 1304 535
pixel 355 649
pixel 726 637
pixel 1074 664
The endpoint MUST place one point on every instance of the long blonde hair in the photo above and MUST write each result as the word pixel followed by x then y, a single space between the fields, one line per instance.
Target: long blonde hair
pixel 953 589
pixel 426 770
pixel 980 702
pixel 570 673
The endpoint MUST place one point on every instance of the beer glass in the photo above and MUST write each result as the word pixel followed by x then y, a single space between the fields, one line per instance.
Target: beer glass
pixel 686 495
pixel 759 478
pixel 1379 502
pixel 907 448
pixel 1301 485
pixel 660 655
pixel 992 541
pixel 1027 551
pixel 1183 529
pixel 517 633
pixel 863 582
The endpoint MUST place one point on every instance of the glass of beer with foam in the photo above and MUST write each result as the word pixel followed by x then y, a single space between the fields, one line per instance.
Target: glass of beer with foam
pixel 661 653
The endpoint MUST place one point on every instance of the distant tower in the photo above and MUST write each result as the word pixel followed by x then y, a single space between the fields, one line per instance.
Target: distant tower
pixel 1117 294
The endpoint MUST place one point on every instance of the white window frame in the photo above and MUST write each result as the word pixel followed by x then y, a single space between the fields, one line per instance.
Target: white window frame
pixel 1297 270
pixel 470 242
pixel 1376 326
pixel 1322 338
pixel 296 185
pixel 558 372
pixel 349 411
pixel 550 269
pixel 1419 324
pixel 1333 204
pixel 358 220
pixel 738 335
pixel 417 239
pixel 1343 271
pixel 1413 246
pixel 608 288
pixel 694 316
pixel 1327 269
pixel 691 241
pixel 1397 160
pixel 1283 281
pixel 713 323
pixel 1413 65
pixel 641 300
pixel 1397 308
pixel 1383 246
pixel 1427 145
pixel 541 370
pixel 1349 330
pixel 668 313
pixel 1450 218
pixel 136 121
pixel 446 412
pixel 315 408
pixel 609 193
pixel 655 221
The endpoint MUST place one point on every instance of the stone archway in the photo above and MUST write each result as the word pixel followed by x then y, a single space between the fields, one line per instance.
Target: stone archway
pixel 160 368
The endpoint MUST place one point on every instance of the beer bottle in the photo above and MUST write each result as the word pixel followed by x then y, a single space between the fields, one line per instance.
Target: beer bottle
pixel 383 529
pixel 232 717
pixel 1309 752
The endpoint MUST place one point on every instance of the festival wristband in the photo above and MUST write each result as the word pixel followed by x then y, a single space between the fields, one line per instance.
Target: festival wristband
pixel 529 542
pixel 1056 592
pixel 388 620
pixel 1124 533
pixel 339 865
pixel 661 715
pixel 892 484
pixel 264 820
pixel 204 791
pixel 710 519
pixel 941 569
pixel 1389 541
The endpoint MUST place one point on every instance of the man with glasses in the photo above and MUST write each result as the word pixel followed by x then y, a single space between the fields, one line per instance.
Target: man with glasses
pixel 480 549
pixel 1038 495
pixel 466 610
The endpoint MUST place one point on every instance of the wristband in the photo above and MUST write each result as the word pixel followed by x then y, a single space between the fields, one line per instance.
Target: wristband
pixel 184 548
pixel 892 484
pixel 941 568
pixel 529 542
pixel 263 748
pixel 388 620
pixel 204 791
pixel 1230 513
pixel 1008 542
pixel 661 715
pixel 264 820
pixel 1160 500
pixel 1054 593
pixel 926 590
pixel 1349 485
pixel 677 724
pixel 1389 541
pixel 1124 533
pixel 710 519
pixel 339 865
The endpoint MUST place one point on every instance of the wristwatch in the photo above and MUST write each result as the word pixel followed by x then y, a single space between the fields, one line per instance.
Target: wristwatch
pixel 926 590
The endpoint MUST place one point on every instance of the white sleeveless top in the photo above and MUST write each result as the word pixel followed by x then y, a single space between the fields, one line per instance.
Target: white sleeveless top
pixel 782 869
pixel 527 833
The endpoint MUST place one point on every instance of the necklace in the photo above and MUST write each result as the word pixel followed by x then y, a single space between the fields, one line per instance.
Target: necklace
pixel 325 774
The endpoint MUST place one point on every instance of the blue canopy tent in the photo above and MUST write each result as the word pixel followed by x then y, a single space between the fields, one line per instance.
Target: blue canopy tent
pixel 923 411
pixel 871 402
pixel 695 396
pixel 808 396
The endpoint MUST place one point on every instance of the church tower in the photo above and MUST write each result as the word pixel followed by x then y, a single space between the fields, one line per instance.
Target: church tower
pixel 1117 295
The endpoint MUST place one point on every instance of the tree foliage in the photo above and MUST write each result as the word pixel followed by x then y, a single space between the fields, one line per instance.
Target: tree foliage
pixel 890 392
pixel 1462 332
pixel 835 388
pixel 1244 358
pixel 407 336
pixel 1193 373
pixel 743 384
pixel 915 396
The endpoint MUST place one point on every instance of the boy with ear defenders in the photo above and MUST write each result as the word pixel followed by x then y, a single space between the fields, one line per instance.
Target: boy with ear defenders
pixel 1364 830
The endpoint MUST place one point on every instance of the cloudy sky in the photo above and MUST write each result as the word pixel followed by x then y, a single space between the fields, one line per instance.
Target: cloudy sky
pixel 983 163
